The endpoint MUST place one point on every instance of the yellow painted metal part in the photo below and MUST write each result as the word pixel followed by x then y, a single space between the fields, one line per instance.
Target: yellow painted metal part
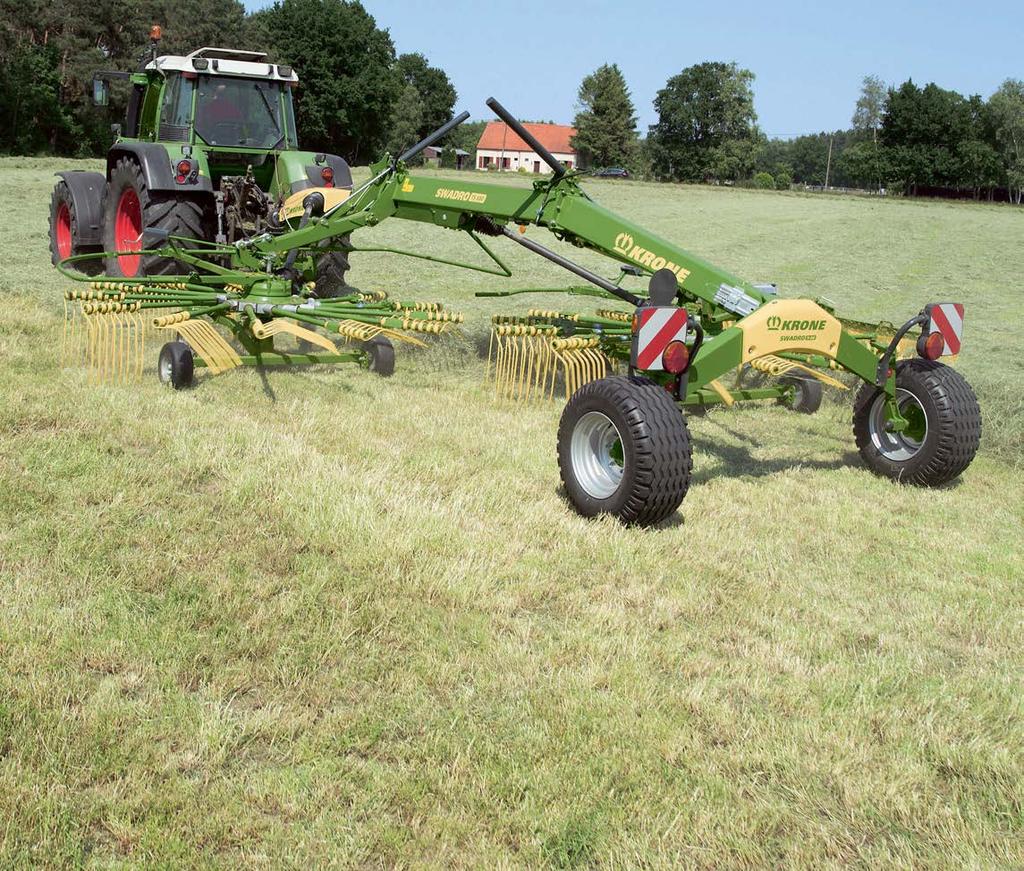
pixel 526 360
pixel 723 394
pixel 293 207
pixel 790 325
pixel 280 325
pixel 772 365
pixel 218 355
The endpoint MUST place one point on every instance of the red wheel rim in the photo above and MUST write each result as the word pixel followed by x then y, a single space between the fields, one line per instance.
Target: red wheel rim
pixel 63 231
pixel 128 231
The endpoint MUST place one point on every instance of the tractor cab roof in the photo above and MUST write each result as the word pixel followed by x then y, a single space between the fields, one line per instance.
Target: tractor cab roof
pixel 224 62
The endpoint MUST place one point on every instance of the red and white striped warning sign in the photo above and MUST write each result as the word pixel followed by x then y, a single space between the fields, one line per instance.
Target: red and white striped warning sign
pixel 948 318
pixel 658 326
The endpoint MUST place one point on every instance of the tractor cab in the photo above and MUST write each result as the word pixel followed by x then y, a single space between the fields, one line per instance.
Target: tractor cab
pixel 208 151
pixel 226 99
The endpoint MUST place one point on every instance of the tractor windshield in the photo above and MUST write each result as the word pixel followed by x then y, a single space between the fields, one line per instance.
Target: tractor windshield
pixel 242 113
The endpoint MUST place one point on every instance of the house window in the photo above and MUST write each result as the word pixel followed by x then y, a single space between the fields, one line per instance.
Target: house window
pixel 485 160
pixel 506 163
pixel 568 164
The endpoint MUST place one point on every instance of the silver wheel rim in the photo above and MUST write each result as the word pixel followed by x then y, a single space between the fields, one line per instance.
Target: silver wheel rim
pixel 595 469
pixel 165 368
pixel 896 446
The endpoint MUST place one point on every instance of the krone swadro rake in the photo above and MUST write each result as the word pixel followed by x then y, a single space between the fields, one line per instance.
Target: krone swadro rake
pixel 623 443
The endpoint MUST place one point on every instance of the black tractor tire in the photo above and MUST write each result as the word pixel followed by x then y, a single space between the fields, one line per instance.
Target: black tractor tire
pixel 624 449
pixel 806 395
pixel 176 214
pixel 176 366
pixel 65 233
pixel 945 431
pixel 331 269
pixel 382 356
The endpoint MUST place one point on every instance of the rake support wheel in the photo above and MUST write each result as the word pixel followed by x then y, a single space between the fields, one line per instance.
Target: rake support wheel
pixel 624 449
pixel 176 366
pixel 381 354
pixel 944 431
pixel 806 395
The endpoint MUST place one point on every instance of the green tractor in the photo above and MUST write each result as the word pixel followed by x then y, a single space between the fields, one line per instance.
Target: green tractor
pixel 208 152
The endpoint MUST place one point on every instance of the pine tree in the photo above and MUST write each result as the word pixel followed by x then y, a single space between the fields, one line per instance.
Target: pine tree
pixel 606 121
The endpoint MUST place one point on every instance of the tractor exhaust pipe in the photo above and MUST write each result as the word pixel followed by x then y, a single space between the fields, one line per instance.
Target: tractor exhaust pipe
pixel 526 136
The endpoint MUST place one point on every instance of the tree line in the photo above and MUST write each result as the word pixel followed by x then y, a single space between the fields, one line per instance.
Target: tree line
pixel 359 97
pixel 356 95
pixel 908 139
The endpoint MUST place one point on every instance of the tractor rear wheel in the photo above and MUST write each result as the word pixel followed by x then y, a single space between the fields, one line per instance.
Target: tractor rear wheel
pixel 65 233
pixel 944 425
pixel 130 207
pixel 624 449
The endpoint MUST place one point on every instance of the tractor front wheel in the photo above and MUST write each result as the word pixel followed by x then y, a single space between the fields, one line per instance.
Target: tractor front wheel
pixel 624 449
pixel 331 271
pixel 944 425
pixel 176 366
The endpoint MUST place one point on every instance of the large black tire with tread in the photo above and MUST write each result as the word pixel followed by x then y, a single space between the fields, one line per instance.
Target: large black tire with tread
pixel 651 445
pixel 177 214
pixel 947 443
pixel 331 269
pixel 62 212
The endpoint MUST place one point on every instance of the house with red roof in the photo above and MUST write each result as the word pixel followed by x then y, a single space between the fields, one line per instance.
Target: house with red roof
pixel 501 148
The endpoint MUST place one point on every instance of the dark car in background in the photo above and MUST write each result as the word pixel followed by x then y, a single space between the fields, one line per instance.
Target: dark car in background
pixel 611 172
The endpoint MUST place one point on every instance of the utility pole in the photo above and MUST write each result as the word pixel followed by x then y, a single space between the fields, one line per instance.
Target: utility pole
pixel 828 165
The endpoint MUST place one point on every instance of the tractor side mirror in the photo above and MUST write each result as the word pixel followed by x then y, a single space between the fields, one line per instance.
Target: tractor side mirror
pixel 100 92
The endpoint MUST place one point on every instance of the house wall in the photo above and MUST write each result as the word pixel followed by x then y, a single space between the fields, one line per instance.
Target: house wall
pixel 516 159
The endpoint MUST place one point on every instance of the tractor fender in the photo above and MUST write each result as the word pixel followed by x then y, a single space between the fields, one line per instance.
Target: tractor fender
pixel 86 190
pixel 155 163
pixel 342 174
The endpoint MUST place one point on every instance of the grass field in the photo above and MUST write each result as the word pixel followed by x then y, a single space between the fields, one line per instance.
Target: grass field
pixel 319 618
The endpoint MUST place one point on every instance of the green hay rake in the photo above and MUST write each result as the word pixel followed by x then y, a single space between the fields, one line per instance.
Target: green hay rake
pixel 623 443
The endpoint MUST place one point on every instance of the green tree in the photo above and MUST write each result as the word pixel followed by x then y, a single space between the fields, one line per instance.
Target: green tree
pixel 406 120
pixel 606 120
pixel 1006 110
pixel 437 94
pixel 698 110
pixel 867 116
pixel 924 128
pixel 865 164
pixel 346 63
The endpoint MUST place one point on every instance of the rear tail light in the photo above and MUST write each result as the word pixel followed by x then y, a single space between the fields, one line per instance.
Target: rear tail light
pixel 327 174
pixel 676 357
pixel 183 170
pixel 931 346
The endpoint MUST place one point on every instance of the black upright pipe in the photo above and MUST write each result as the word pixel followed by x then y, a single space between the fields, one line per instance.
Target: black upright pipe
pixel 443 130
pixel 574 268
pixel 526 136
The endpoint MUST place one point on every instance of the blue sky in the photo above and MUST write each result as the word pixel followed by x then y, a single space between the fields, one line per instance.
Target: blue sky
pixel 809 58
